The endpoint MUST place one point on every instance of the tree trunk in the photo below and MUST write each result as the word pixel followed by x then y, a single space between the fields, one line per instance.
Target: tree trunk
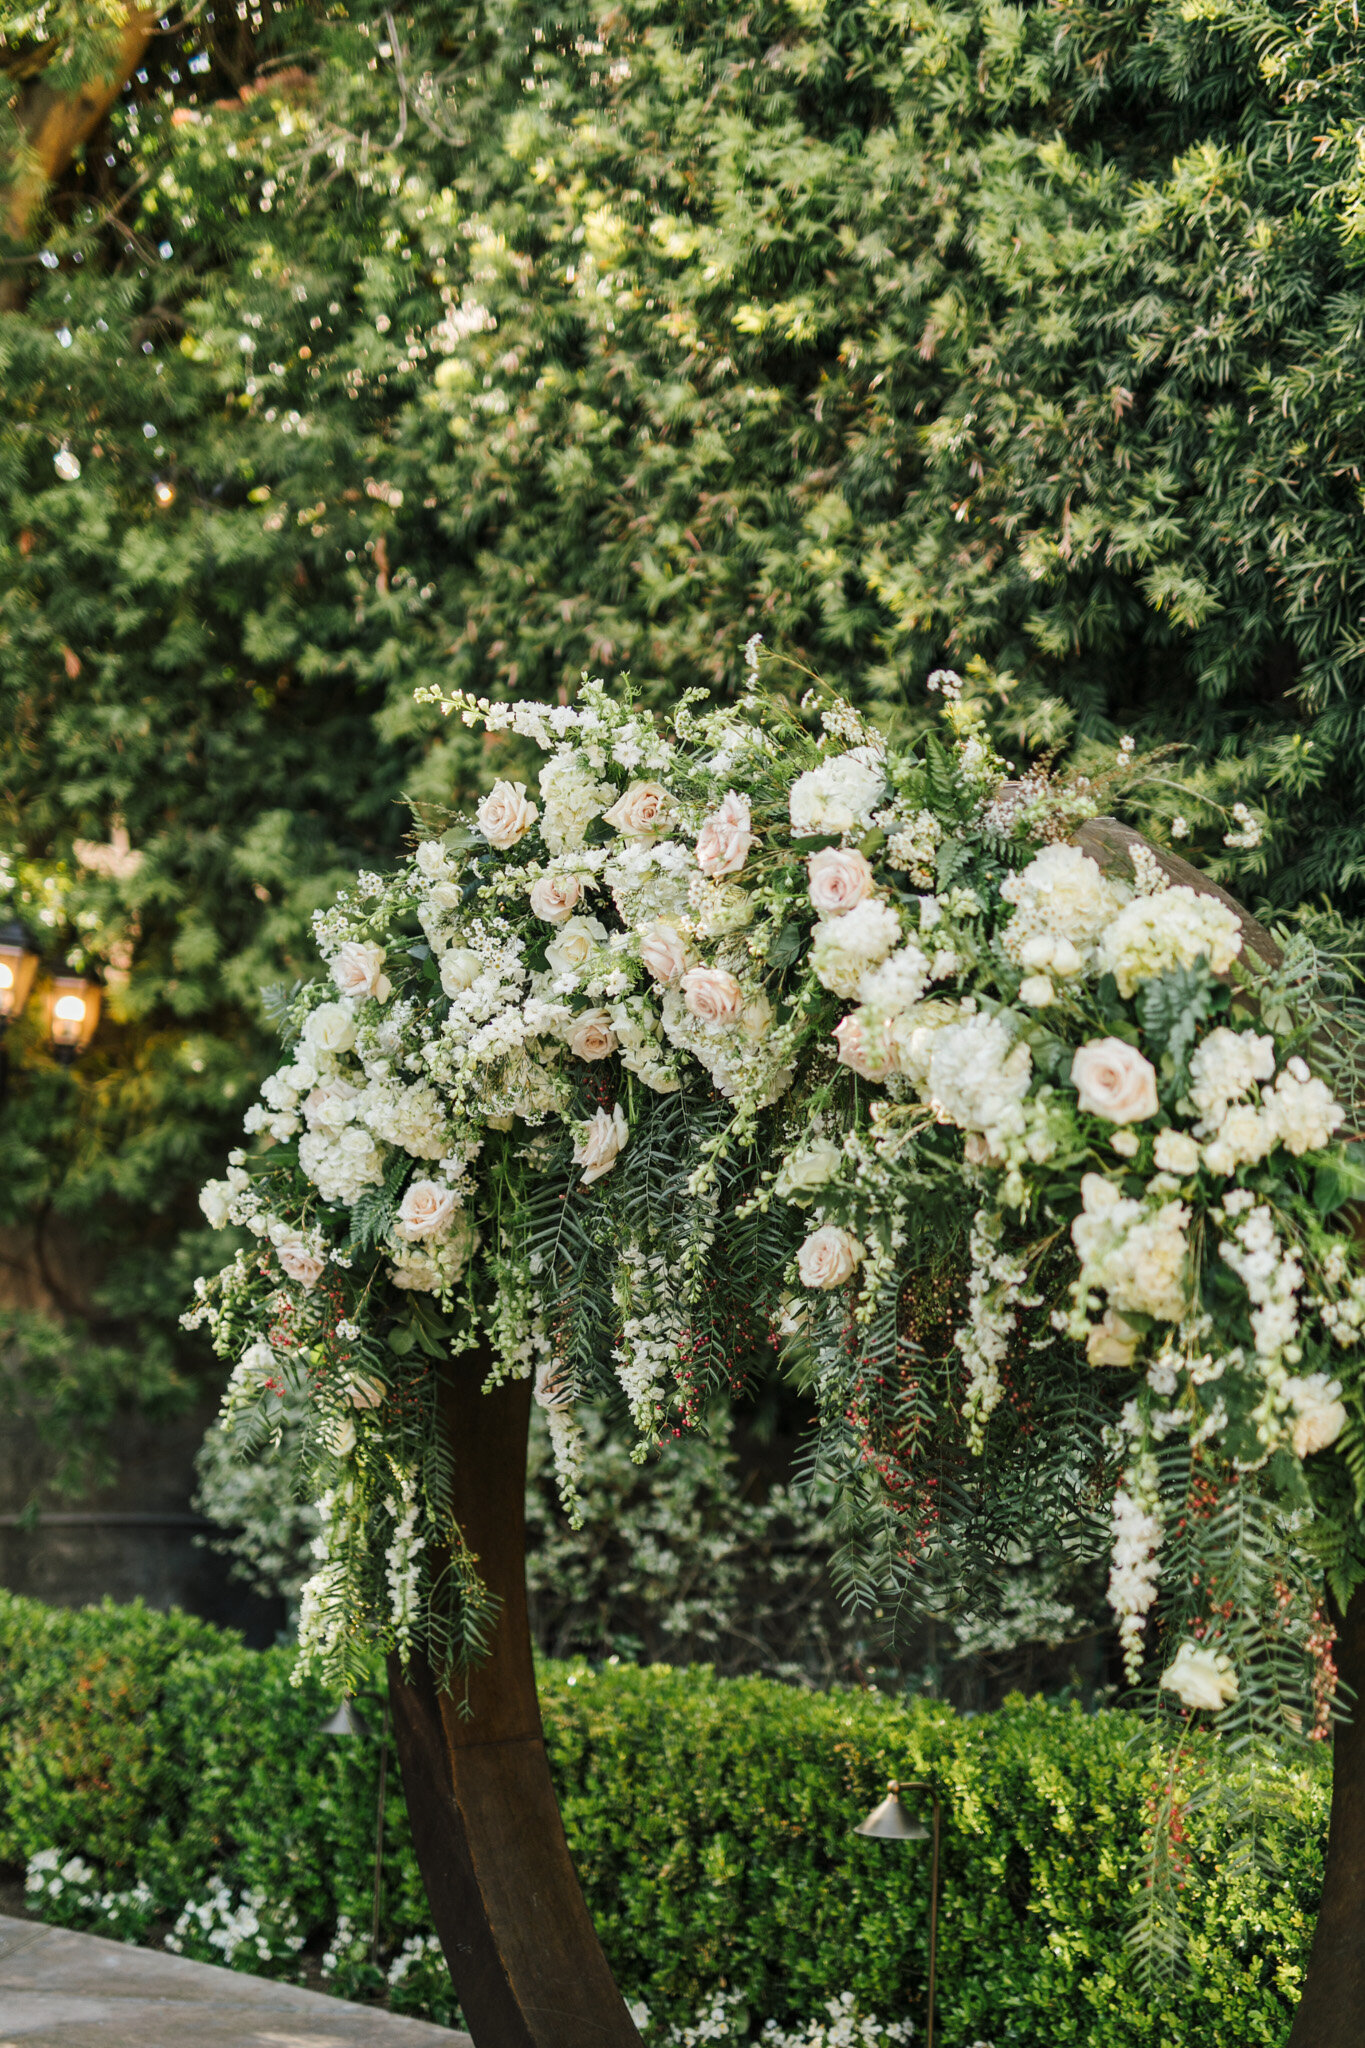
pixel 1331 2012
pixel 56 124
pixel 526 1962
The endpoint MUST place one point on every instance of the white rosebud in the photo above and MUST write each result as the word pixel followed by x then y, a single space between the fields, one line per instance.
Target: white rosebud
pixel 839 881
pixel 828 1257
pixel 215 1199
pixel 599 1143
pixel 460 969
pixel 1036 991
pixel 505 815
pixel 592 1037
pixel 1201 1678
pixel 432 860
pixel 358 971
pixel 1112 1341
pixel 642 815
pixel 556 897
pixel 364 1390
pixel 1114 1081
pixel 427 1208
pixel 802 1172
pixel 724 840
pixel 712 995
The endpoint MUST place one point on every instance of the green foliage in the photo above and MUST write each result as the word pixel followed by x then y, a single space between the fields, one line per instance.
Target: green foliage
pixel 709 1819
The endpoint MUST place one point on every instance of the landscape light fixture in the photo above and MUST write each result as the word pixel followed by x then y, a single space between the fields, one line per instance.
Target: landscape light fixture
pixel 17 964
pixel 346 1721
pixel 890 1822
pixel 73 1011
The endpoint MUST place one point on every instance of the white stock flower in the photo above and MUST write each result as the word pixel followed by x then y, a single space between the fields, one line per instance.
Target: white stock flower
pixel 1153 934
pixel 642 814
pixel 725 839
pixel 460 969
pixel 358 970
pixel 591 1036
pixel 1319 1416
pixel 599 1142
pixel 427 1209
pixel 1176 1152
pixel 828 1257
pixel 802 1172
pixel 844 948
pixel 712 995
pixel 573 798
pixel 1137 1254
pixel 556 897
pixel 663 951
pixel 838 880
pixel 1199 1677
pixel 1113 1080
pixel 505 815
pixel 329 1029
pixel 838 796
pixel 1063 901
pixel 568 951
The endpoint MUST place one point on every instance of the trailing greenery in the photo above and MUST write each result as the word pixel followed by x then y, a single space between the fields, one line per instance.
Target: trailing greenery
pixel 1021 337
pixel 163 1754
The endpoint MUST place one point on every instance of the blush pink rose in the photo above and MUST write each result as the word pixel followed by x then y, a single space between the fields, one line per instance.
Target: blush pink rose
pixel 505 816
pixel 427 1208
pixel 724 840
pixel 642 814
pixel 873 1055
pixel 663 951
pixel 556 897
pixel 839 881
pixel 712 995
pixel 592 1037
pixel 1114 1081
pixel 298 1262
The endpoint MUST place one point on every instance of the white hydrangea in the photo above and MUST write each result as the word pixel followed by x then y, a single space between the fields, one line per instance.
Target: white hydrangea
pixel 573 796
pixel 1223 1069
pixel 1302 1110
pixel 341 1168
pixel 897 985
pixel 838 796
pixel 844 948
pixel 1153 934
pixel 411 1118
pixel 1062 896
pixel 977 1077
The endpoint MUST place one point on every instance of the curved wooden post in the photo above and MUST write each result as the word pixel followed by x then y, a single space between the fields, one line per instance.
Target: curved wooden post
pixel 526 1963
pixel 1331 2011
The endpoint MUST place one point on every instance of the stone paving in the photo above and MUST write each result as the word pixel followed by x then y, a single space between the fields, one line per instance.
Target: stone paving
pixel 65 1990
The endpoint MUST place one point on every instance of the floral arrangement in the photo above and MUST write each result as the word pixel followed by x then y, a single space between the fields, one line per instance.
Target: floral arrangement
pixel 762 1042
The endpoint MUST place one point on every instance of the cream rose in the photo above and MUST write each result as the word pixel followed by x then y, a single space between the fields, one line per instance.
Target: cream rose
pixel 1114 1081
pixel 712 995
pixel 724 840
pixel 642 814
pixel 1201 1678
pixel 359 971
pixel 505 815
pixel 1319 1416
pixel 869 1053
pixel 663 951
pixel 592 1037
pixel 1112 1341
pixel 599 1143
pixel 556 897
pixel 568 952
pixel 330 1028
pixel 427 1208
pixel 299 1263
pixel 1176 1152
pixel 839 881
pixel 215 1199
pixel 802 1172
pixel 338 1434
pixel 828 1257
pixel 460 969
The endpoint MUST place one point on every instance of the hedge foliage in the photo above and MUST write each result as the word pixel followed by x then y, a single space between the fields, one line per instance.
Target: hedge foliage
pixel 1021 338
pixel 710 1821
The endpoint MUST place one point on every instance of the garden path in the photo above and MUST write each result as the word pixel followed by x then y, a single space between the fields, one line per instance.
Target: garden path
pixel 65 1990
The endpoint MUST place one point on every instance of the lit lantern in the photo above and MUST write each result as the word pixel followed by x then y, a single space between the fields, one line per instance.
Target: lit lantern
pixel 163 492
pixel 17 963
pixel 73 1013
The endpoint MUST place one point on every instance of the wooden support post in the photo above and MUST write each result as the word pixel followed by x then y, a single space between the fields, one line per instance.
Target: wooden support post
pixel 1331 2011
pixel 523 1954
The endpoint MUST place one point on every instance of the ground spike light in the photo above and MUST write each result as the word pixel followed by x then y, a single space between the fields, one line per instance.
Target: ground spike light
pixel 890 1822
pixel 346 1721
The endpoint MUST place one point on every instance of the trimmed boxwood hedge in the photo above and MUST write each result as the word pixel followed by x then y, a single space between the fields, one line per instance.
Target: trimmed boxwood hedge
pixel 710 1821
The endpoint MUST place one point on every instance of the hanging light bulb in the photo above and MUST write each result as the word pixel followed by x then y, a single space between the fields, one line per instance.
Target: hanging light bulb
pixel 163 492
pixel 17 963
pixel 66 464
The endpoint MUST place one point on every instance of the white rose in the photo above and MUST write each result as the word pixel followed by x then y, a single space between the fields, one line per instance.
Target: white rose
pixel 1112 1341
pixel 642 814
pixel 1114 1081
pixel 663 951
pixel 828 1257
pixel 215 1199
pixel 460 969
pixel 1176 1152
pixel 592 1037
pixel 838 881
pixel 431 859
pixel 869 1053
pixel 724 840
pixel 359 971
pixel 568 951
pixel 599 1143
pixel 1201 1678
pixel 299 1263
pixel 1319 1416
pixel 1036 992
pixel 801 1172
pixel 713 995
pixel 556 897
pixel 552 1388
pixel 330 1028
pixel 426 1209
pixel 505 815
